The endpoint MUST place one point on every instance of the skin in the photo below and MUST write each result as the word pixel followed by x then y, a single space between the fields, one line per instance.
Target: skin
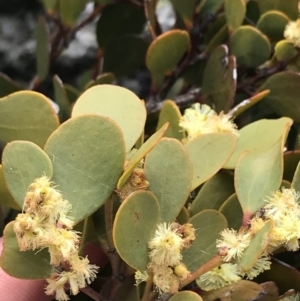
pixel 33 290
pixel 22 290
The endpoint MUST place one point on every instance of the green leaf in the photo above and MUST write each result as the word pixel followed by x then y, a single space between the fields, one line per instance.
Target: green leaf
pixel 26 264
pixel 185 9
pixel 117 103
pixel 285 50
pixel 204 247
pixel 252 11
pixel 206 156
pixel 169 170
pixel 70 10
pixel 284 96
pixel 7 85
pixel 171 114
pixel 209 6
pixel 6 199
pixel 242 290
pixel 165 52
pixel 88 155
pixel 183 216
pixel 250 47
pixel 42 48
pixel 296 179
pixel 272 24
pixel 219 38
pixel 235 12
pixel 290 8
pixel 103 78
pixel 27 115
pixel 61 98
pixel 121 19
pixel 50 5
pixel 257 174
pixel 256 247
pixel 213 193
pixel 219 80
pixel 140 154
pixel 127 59
pixel 23 162
pixel 291 160
pixel 137 215
pixel 72 93
pixel 233 212
pixel 186 296
pixel 250 137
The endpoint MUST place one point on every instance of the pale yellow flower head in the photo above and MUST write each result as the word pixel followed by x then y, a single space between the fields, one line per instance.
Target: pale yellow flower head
pixel 201 119
pixel 292 32
pixel 232 244
pixel 166 245
pixel 221 276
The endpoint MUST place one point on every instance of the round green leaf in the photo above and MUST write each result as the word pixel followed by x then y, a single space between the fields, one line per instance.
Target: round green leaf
pixel 72 93
pixel 233 212
pixel 256 247
pixel 118 20
pixel 169 171
pixel 213 193
pixel 127 59
pixel 134 226
pixel 284 96
pixel 165 52
pixel 171 114
pixel 257 174
pixel 104 78
pixel 250 137
pixel 252 11
pixel 186 296
pixel 27 115
pixel 88 155
pixel 23 162
pixel 183 216
pixel 117 103
pixel 70 10
pixel 209 153
pixel 219 80
pixel 290 8
pixel 50 5
pixel 26 264
pixel 42 48
pixel 250 47
pixel 208 224
pixel 272 24
pixel 140 154
pixel 235 12
pixel 285 50
pixel 6 199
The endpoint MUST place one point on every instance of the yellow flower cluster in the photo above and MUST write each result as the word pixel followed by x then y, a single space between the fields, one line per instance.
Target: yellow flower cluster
pixel 201 119
pixel 283 209
pixel 166 258
pixel 44 224
pixel 292 32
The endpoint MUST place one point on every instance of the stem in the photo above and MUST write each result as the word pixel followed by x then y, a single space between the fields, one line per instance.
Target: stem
pixel 211 264
pixel 92 294
pixel 148 294
pixel 147 3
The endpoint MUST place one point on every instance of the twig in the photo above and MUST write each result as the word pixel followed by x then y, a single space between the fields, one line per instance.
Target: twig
pixel 147 3
pixel 92 294
pixel 154 104
pixel 211 264
pixel 148 294
pixel 89 19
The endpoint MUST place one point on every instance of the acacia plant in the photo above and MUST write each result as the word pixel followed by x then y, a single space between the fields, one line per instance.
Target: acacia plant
pixel 200 202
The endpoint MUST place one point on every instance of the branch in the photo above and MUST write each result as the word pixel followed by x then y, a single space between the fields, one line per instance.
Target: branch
pixel 154 104
pixel 92 294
